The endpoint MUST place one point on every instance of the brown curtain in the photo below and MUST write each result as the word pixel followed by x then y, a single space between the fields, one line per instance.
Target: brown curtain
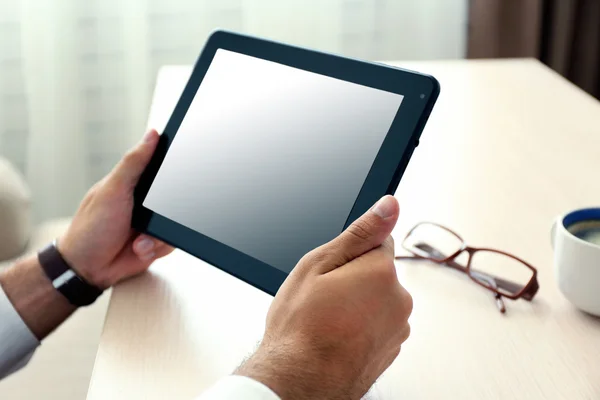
pixel 564 34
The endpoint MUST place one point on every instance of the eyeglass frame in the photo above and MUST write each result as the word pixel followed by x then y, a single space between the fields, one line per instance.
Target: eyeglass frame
pixel 527 292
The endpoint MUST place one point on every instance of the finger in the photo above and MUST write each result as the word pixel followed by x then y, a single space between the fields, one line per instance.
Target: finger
pixel 389 247
pixel 159 243
pixel 131 166
pixel 163 250
pixel 147 248
pixel 404 333
pixel 160 252
pixel 144 247
pixel 366 233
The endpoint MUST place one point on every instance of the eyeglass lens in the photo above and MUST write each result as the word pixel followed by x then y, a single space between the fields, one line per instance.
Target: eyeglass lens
pixel 508 274
pixel 432 241
pixel 494 270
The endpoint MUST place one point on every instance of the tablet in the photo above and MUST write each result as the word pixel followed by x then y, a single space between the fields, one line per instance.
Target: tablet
pixel 273 150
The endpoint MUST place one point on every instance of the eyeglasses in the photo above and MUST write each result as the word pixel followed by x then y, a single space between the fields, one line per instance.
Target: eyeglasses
pixel 502 273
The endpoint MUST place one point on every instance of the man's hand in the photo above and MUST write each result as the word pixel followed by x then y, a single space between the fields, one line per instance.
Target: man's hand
pixel 100 244
pixel 340 318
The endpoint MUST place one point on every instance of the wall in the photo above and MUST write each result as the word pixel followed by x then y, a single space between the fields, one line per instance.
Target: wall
pixel 76 76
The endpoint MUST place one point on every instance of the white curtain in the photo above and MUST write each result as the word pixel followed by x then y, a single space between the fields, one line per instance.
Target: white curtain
pixel 76 76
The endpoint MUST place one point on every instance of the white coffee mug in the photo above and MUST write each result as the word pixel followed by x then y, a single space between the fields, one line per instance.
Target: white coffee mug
pixel 577 261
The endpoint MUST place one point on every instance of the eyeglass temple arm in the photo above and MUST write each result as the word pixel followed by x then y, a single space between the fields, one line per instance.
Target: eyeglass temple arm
pixel 492 282
pixel 497 282
pixel 436 254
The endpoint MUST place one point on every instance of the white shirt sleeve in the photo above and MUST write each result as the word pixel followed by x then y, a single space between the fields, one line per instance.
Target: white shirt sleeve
pixel 17 342
pixel 236 387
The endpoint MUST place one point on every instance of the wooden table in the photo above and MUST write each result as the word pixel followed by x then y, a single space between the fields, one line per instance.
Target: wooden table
pixel 509 146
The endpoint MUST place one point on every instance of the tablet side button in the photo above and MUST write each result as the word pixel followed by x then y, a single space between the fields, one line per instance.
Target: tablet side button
pixel 400 171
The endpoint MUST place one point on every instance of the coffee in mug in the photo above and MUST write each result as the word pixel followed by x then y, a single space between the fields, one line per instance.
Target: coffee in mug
pixel 587 230
pixel 576 243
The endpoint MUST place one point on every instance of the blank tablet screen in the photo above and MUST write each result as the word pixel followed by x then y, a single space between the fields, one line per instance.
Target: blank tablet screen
pixel 270 159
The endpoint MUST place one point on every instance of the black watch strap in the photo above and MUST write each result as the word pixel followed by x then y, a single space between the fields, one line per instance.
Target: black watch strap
pixel 77 291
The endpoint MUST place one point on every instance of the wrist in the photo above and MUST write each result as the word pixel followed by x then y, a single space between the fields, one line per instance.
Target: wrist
pixel 296 374
pixel 31 293
pixel 65 279
pixel 78 264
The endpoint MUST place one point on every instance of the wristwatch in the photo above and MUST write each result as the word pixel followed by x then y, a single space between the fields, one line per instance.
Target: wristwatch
pixel 76 290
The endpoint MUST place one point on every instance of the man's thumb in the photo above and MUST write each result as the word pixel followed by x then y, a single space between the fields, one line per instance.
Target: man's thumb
pixel 131 166
pixel 366 233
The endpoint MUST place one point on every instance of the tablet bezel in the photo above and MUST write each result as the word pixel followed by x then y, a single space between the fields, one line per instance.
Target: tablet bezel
pixel 420 93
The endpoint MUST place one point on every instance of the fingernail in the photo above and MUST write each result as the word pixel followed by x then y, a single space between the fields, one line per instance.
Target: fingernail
pixel 384 207
pixel 147 257
pixel 148 136
pixel 145 245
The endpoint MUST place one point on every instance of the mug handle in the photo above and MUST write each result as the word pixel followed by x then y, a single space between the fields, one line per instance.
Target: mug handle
pixel 553 231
